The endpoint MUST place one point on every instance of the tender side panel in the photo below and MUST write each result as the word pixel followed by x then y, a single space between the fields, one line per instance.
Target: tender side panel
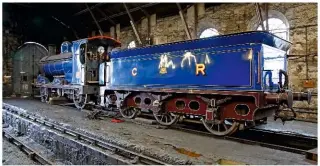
pixel 203 68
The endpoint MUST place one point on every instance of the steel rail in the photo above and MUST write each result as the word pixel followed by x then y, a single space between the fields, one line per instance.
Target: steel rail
pixel 32 154
pixel 135 158
pixel 285 134
pixel 249 141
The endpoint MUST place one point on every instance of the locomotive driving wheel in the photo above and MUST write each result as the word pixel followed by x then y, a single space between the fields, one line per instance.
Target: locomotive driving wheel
pixel 44 93
pixel 221 127
pixel 165 118
pixel 130 112
pixel 79 100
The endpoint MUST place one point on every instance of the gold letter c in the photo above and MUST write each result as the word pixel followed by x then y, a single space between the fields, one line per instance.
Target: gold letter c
pixel 134 72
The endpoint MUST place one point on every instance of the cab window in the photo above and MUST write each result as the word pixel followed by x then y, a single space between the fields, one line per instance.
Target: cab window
pixel 83 53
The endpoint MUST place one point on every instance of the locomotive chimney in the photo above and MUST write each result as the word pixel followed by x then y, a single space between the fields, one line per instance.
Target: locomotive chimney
pixel 52 49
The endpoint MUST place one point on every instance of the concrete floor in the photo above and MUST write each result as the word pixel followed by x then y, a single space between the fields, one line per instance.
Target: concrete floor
pixel 296 127
pixel 163 142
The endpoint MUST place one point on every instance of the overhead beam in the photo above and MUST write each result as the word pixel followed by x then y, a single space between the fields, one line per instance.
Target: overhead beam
pixel 184 21
pixel 133 24
pixel 107 10
pixel 131 10
pixel 106 16
pixel 67 26
pixel 266 8
pixel 86 10
pixel 144 11
pixel 24 5
pixel 258 10
pixel 94 18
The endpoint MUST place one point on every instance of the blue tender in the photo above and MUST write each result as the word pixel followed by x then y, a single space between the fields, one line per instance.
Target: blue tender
pixel 226 62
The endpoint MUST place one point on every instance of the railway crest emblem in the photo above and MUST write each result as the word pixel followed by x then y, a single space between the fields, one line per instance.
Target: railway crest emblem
pixel 165 63
pixel 163 70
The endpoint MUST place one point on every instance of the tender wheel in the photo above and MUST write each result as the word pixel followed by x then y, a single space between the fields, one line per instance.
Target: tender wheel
pixel 44 93
pixel 221 128
pixel 79 100
pixel 165 118
pixel 129 113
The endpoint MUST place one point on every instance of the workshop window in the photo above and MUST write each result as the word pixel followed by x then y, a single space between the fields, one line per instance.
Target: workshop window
pixel 132 44
pixel 209 33
pixel 277 27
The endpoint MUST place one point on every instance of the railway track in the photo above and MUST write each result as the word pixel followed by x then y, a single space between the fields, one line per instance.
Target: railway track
pixel 289 142
pixel 31 153
pixel 121 154
pixel 285 141
pixel 294 143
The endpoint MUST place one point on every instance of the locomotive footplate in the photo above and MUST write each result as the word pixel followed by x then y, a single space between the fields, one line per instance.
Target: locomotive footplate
pixel 82 89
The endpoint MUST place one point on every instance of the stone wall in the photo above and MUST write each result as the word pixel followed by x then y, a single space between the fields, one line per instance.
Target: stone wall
pixel 11 40
pixel 232 18
pixel 10 43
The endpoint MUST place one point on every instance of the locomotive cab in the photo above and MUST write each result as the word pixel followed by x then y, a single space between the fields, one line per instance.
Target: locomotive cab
pixel 93 56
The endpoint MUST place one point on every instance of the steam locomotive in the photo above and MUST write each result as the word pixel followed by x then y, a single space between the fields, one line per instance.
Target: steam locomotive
pixel 224 82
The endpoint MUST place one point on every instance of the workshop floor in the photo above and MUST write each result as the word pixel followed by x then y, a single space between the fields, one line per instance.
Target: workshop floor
pixel 163 142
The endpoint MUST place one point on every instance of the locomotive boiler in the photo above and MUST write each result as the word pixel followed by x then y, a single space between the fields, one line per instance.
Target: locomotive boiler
pixel 57 65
